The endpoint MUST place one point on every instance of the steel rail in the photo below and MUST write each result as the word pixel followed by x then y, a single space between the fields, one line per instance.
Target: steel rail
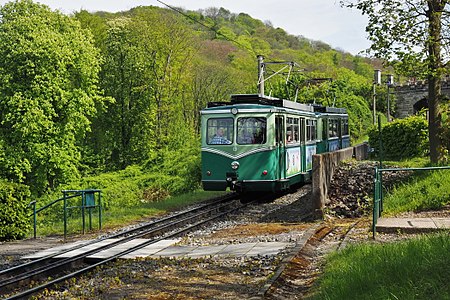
pixel 19 268
pixel 216 205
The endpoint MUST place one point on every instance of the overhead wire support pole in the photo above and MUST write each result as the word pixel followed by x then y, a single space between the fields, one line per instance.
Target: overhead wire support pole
pixel 291 66
pixel 262 70
pixel 261 75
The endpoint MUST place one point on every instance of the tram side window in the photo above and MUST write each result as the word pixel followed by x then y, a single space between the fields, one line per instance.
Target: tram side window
pixel 251 130
pixel 219 131
pixel 311 130
pixel 332 128
pixel 345 127
pixel 302 130
pixel 292 131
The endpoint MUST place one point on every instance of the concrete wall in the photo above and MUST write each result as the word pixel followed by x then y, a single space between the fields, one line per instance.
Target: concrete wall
pixel 324 166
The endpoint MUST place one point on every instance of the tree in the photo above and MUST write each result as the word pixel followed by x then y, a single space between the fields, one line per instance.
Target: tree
pixel 148 55
pixel 412 35
pixel 48 91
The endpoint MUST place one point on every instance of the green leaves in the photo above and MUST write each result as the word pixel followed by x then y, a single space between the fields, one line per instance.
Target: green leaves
pixel 403 138
pixel 14 211
pixel 48 91
pixel 413 36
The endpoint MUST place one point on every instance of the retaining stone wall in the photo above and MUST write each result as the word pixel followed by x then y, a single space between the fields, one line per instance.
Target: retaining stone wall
pixel 324 166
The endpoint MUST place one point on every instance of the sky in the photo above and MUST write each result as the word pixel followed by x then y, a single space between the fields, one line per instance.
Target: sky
pixel 321 20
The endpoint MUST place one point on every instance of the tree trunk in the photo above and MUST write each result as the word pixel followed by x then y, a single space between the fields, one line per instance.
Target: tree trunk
pixel 434 79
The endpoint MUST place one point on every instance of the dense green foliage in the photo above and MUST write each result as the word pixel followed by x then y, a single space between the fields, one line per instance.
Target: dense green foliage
pixel 111 100
pixel 411 269
pixel 48 90
pixel 403 138
pixel 14 212
pixel 162 68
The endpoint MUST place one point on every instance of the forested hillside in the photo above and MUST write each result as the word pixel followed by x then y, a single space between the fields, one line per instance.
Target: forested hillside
pixel 99 92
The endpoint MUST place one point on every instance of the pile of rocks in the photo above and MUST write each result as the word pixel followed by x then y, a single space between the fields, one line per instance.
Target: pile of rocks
pixel 350 194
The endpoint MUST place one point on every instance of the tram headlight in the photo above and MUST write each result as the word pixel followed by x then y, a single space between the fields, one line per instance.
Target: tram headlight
pixel 235 165
pixel 234 111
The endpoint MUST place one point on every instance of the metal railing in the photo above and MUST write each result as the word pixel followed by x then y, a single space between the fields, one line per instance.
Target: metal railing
pixel 87 203
pixel 378 189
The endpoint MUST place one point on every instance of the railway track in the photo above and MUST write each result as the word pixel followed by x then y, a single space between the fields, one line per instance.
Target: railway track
pixel 297 273
pixel 15 281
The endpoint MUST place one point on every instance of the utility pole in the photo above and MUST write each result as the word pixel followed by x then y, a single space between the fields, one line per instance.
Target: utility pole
pixel 376 81
pixel 389 83
pixel 261 75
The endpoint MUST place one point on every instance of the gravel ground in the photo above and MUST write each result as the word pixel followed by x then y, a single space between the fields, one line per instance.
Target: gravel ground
pixel 284 219
pixel 204 278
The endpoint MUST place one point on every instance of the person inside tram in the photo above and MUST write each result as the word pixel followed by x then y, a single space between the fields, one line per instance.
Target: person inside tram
pixel 246 137
pixel 289 137
pixel 219 139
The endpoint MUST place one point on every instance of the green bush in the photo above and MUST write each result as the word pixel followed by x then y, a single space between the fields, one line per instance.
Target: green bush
pixel 180 171
pixel 172 173
pixel 401 139
pixel 14 211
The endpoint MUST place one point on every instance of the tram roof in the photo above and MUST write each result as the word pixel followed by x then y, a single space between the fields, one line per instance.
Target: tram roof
pixel 266 100
pixel 271 101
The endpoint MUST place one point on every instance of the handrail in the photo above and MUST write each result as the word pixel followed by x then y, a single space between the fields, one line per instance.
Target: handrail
pixel 77 193
pixel 50 204
pixel 413 169
pixel 378 189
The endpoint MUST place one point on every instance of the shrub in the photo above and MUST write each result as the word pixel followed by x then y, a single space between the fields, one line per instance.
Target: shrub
pixel 403 138
pixel 14 221
pixel 175 171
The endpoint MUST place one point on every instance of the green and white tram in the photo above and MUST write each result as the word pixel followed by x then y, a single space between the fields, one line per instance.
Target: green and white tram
pixel 262 144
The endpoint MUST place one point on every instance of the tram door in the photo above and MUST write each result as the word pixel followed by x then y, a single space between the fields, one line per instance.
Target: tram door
pixel 281 151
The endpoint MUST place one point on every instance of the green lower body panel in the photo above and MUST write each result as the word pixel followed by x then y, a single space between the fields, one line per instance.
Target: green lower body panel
pixel 258 171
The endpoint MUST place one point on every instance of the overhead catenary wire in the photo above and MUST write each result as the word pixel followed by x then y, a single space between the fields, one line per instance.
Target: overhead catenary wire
pixel 291 64
pixel 207 27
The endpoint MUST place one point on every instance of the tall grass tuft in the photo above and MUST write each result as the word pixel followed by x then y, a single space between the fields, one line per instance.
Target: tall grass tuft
pixel 425 191
pixel 413 269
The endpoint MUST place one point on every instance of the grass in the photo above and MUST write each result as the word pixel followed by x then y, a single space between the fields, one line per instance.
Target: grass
pixel 425 190
pixel 117 216
pixel 412 269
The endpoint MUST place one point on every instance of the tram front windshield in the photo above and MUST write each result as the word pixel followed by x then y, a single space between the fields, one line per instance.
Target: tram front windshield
pixel 251 130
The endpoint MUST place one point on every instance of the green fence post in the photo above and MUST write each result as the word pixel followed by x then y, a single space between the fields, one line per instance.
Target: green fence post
pixel 82 210
pixel 65 214
pixel 381 164
pixel 375 202
pixel 34 219
pixel 381 193
pixel 100 209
